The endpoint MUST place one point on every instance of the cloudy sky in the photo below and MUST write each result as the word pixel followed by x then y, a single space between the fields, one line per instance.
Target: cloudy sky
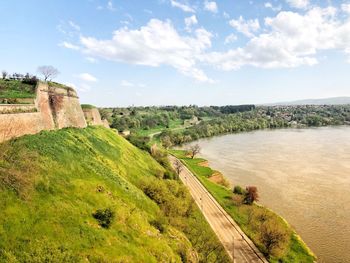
pixel 162 52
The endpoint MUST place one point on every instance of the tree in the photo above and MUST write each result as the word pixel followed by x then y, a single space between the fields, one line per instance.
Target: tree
pixel 166 141
pixel 251 195
pixel 194 150
pixel 4 74
pixel 49 72
pixel 273 237
pixel 178 167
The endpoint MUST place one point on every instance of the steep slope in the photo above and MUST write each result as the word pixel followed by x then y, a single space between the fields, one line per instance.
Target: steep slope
pixel 53 183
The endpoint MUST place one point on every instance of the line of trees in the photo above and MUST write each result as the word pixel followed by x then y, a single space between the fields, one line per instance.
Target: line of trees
pixel 48 73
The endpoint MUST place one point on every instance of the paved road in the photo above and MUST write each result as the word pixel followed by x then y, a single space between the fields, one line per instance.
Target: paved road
pixel 236 243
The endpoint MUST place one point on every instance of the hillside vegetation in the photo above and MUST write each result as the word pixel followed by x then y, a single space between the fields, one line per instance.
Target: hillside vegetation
pixel 88 195
pixel 17 89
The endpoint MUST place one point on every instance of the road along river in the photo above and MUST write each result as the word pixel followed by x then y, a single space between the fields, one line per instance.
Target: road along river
pixel 302 174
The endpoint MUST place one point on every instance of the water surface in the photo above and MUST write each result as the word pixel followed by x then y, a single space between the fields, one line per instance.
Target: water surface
pixel 302 174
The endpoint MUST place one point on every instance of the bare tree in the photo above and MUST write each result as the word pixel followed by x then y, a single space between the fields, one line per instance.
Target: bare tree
pixel 251 195
pixel 49 72
pixel 194 150
pixel 178 167
pixel 4 74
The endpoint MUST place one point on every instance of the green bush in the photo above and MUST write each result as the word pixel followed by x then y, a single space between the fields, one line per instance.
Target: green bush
pixel 104 217
pixel 238 190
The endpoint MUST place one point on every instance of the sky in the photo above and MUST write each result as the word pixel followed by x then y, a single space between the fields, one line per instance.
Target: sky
pixel 180 52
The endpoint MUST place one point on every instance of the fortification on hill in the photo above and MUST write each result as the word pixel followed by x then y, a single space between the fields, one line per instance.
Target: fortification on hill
pixel 54 107
pixel 93 117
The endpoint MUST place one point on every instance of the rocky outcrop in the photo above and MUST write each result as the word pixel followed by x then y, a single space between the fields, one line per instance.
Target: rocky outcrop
pixel 53 108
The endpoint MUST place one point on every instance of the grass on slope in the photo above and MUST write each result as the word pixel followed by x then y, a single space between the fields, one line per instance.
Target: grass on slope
pixel 16 89
pixel 51 184
pixel 246 215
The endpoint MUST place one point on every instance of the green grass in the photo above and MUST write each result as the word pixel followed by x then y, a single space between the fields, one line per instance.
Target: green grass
pixel 297 250
pixel 174 124
pixel 15 89
pixel 51 183
pixel 87 106
pixel 59 85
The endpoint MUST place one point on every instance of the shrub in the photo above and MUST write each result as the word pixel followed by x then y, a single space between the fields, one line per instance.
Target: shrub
pixel 238 190
pixel 140 142
pixel 274 237
pixel 160 223
pixel 251 195
pixel 104 217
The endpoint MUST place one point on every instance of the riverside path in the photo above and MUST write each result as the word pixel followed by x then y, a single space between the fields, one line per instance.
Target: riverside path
pixel 239 247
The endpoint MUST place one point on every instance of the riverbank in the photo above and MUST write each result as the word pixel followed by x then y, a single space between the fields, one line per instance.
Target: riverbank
pixel 253 219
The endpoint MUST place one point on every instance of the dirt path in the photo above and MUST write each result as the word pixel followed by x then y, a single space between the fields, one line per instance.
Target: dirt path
pixel 237 244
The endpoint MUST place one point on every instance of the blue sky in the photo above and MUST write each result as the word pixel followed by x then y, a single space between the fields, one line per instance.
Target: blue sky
pixel 166 52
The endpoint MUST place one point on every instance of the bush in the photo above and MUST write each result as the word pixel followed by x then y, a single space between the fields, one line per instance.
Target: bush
pixel 140 142
pixel 274 237
pixel 238 190
pixel 160 223
pixel 104 217
pixel 251 195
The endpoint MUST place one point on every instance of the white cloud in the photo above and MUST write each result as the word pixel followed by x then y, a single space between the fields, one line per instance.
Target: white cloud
pixel 346 8
pixel 155 44
pixel 91 60
pixel 128 84
pixel 82 88
pixel 87 77
pixel 246 27
pixel 291 40
pixel 190 21
pixel 302 4
pixel 211 6
pixel 272 7
pixel 69 45
pixel 74 26
pixel 125 83
pixel 230 39
pixel 226 15
pixel 110 6
pixel 182 6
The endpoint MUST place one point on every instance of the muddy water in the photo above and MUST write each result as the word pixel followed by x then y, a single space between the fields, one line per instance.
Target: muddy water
pixel 302 174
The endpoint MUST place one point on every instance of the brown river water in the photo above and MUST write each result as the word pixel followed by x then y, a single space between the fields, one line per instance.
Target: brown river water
pixel 302 174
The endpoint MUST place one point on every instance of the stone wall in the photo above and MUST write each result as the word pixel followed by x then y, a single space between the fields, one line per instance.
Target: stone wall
pixel 54 108
pixel 93 117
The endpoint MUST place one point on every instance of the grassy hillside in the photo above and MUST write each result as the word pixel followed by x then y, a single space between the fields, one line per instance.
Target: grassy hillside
pixel 57 189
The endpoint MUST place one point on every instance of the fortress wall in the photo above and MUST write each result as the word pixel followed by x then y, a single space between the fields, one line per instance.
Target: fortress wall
pixel 15 125
pixel 66 108
pixel 54 108
pixel 93 117
pixel 17 108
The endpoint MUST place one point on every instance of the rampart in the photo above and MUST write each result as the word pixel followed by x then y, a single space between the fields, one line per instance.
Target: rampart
pixel 53 108
pixel 93 117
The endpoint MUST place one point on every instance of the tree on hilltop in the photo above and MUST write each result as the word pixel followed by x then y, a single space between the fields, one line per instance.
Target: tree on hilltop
pixel 48 72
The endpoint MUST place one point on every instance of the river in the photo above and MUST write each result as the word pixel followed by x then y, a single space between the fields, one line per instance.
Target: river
pixel 302 174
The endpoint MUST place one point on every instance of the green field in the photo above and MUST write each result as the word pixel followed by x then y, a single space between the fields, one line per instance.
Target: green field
pixel 295 251
pixel 16 89
pixel 173 124
pixel 54 185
